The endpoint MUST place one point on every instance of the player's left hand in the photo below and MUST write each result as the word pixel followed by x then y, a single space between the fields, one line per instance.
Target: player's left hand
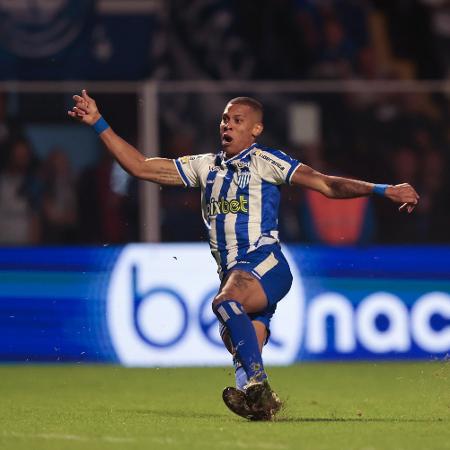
pixel 405 194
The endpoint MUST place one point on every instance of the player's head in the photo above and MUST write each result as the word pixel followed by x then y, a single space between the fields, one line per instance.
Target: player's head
pixel 242 123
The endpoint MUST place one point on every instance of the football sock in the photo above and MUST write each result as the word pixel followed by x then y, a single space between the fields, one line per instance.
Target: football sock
pixel 242 333
pixel 240 375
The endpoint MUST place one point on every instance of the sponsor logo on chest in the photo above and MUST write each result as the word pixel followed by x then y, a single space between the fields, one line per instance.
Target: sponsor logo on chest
pixel 224 206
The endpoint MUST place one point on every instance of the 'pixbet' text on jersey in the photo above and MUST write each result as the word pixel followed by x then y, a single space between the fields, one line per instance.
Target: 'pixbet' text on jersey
pixel 223 206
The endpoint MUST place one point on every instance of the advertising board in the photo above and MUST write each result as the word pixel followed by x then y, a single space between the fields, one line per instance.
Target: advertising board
pixel 150 305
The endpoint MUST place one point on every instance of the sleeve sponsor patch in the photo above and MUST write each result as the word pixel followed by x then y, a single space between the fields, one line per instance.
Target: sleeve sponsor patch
pixel 275 166
pixel 267 157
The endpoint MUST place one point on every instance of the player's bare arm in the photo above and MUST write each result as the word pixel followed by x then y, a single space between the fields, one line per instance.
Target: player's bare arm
pixel 341 188
pixel 157 170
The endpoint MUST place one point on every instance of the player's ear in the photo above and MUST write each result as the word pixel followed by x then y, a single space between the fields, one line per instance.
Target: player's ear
pixel 257 129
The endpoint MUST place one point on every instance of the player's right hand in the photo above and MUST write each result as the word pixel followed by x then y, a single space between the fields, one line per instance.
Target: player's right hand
pixel 85 109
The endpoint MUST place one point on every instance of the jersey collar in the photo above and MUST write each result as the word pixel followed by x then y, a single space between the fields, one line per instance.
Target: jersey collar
pixel 220 158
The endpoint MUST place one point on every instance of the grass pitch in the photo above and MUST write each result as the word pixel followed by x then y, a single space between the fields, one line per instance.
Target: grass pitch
pixel 328 406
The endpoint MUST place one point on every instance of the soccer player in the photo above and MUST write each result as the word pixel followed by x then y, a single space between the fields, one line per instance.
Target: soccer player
pixel 240 189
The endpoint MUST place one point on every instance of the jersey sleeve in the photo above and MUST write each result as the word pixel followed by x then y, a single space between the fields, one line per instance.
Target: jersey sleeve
pixel 190 169
pixel 275 166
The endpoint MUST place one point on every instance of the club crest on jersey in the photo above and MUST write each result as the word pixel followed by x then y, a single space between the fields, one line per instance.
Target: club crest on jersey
pixel 243 179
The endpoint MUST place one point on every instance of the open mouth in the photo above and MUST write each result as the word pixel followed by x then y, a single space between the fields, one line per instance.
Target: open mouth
pixel 226 138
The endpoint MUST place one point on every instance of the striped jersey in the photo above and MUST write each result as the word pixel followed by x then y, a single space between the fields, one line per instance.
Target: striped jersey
pixel 240 197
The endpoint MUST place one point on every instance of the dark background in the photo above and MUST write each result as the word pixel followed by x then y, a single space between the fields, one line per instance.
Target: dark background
pixel 57 186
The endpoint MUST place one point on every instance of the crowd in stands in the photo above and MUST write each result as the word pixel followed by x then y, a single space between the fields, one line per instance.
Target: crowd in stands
pixel 44 202
pixel 392 139
pixel 304 39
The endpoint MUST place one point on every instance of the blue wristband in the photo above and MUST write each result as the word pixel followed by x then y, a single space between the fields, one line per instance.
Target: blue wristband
pixel 100 126
pixel 380 189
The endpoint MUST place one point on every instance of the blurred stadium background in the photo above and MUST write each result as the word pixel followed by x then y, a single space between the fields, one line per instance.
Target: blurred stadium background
pixel 93 263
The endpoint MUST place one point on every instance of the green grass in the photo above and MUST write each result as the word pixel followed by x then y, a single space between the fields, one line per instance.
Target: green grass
pixel 328 406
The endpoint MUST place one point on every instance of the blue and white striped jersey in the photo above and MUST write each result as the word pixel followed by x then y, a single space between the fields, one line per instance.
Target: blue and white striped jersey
pixel 240 197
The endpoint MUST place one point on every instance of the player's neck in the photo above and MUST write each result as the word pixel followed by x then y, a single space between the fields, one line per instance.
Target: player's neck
pixel 231 154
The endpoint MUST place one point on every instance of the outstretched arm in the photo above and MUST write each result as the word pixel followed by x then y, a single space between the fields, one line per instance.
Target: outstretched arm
pixel 158 170
pixel 338 187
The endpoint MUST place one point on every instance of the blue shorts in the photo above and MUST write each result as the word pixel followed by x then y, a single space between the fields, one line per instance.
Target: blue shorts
pixel 268 264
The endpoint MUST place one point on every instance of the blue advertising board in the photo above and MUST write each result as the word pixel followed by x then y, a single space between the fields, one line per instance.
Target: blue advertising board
pixel 149 305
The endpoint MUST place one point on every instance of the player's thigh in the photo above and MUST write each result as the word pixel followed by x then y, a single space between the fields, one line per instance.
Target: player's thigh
pixel 244 288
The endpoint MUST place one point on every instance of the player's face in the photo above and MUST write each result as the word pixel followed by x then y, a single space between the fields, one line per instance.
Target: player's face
pixel 239 128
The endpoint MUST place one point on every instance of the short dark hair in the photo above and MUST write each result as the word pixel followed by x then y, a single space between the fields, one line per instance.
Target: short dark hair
pixel 251 102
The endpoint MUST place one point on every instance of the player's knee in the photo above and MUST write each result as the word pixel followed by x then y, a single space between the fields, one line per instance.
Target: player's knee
pixel 228 292
pixel 218 299
pixel 221 297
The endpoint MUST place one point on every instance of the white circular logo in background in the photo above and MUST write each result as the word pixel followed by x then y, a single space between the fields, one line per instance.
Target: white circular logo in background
pixel 159 309
pixel 41 28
